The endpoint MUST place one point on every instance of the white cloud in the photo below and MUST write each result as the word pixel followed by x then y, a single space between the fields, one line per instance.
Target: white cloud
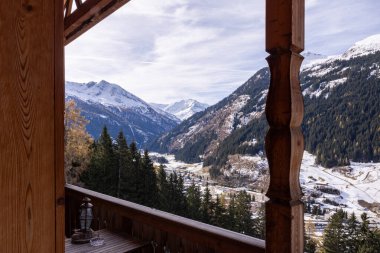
pixel 167 50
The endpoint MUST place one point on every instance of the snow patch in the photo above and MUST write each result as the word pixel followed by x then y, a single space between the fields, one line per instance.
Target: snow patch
pixel 322 87
pixel 366 46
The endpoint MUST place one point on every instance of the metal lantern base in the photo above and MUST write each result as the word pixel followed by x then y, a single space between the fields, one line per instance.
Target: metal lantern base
pixel 80 237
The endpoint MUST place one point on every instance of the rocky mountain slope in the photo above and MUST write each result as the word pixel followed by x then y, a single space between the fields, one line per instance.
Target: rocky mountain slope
pixel 341 123
pixel 201 134
pixel 106 104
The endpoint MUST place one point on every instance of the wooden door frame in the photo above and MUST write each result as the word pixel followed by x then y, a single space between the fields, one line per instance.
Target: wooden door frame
pixel 59 108
pixel 285 22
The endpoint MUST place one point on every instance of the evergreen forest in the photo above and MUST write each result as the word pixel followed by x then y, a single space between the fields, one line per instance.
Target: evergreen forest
pixel 120 170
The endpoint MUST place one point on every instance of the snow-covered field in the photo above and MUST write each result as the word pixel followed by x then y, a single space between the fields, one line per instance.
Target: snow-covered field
pixel 358 181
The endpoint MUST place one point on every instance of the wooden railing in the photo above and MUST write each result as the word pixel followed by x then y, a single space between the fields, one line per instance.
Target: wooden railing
pixel 166 231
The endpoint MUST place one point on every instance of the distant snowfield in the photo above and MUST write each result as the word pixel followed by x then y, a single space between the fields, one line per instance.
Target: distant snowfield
pixel 173 164
pixel 358 181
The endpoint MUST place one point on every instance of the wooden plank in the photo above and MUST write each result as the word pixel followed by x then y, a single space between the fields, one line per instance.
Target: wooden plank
pixel 59 107
pixel 88 14
pixel 114 243
pixel 284 110
pixel 27 125
pixel 169 226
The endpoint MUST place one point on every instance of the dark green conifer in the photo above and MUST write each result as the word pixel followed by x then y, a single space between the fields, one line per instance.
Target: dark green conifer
pixel 334 234
pixel 163 189
pixel 243 213
pixel 194 201
pixel 206 207
pixel 102 172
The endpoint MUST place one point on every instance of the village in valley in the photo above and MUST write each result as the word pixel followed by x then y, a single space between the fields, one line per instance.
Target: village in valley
pixel 354 188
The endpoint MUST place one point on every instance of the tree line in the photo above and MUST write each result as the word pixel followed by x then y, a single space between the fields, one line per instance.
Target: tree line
pixel 120 170
pixel 345 233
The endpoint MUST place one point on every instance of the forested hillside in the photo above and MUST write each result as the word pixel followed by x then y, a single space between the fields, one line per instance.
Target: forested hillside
pixel 341 121
pixel 202 134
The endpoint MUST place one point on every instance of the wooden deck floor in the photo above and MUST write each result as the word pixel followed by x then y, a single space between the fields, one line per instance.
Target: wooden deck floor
pixel 112 243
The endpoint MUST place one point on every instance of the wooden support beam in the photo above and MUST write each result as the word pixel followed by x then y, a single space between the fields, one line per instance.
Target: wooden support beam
pixel 68 5
pixel 284 142
pixel 31 126
pixel 87 14
pixel 59 108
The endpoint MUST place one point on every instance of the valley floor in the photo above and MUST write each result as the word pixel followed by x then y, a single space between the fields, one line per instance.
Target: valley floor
pixel 357 187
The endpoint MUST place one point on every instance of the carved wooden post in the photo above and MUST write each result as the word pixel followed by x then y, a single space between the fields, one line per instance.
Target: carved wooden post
pixel 284 111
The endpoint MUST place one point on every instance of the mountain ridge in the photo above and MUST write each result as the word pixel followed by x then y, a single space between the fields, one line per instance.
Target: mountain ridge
pixel 182 109
pixel 107 104
pixel 329 79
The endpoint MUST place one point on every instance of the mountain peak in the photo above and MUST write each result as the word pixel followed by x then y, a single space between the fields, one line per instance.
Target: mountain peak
pixel 104 82
pixel 104 93
pixel 363 47
pixel 311 58
pixel 182 109
pixel 108 104
pixel 371 40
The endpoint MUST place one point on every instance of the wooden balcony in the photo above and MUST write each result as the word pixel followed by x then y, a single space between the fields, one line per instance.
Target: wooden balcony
pixel 164 230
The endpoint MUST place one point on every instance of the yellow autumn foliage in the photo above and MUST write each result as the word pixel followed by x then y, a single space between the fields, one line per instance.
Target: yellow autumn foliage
pixel 77 143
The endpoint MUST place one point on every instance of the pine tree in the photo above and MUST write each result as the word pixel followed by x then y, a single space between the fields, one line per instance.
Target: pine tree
pixel 123 157
pixel 101 174
pixel 243 213
pixel 310 245
pixel 206 207
pixel 177 195
pixel 371 244
pixel 219 216
pixel 334 234
pixel 352 234
pixel 110 164
pixel 369 240
pixel 137 180
pixel 194 201
pixel 150 181
pixel 364 226
pixel 231 214
pixel 259 224
pixel 163 189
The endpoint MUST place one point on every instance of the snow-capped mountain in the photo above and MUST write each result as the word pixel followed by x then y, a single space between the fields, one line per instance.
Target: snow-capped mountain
pixel 364 47
pixel 335 66
pixel 106 104
pixel 105 93
pixel 201 134
pixel 183 109
pixel 342 113
pixel 311 58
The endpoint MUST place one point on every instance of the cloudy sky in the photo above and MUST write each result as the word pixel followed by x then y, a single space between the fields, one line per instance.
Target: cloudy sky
pixel 167 50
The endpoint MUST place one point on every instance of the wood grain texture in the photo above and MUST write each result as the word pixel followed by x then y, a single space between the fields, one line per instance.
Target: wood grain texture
pixel 87 14
pixel 284 142
pixel 176 233
pixel 27 118
pixel 59 108
pixel 115 243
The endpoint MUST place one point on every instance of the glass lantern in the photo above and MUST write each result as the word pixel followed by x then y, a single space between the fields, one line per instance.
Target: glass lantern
pixel 84 234
pixel 86 215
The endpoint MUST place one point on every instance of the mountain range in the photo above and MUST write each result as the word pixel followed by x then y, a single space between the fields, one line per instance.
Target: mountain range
pixel 341 122
pixel 106 104
pixel 183 109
